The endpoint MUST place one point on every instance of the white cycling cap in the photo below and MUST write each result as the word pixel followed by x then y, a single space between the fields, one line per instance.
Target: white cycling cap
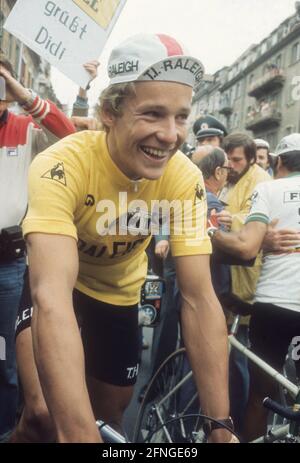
pixel 288 144
pixel 260 143
pixel 154 57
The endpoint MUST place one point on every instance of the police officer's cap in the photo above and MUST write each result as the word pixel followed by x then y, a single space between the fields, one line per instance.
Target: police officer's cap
pixel 209 126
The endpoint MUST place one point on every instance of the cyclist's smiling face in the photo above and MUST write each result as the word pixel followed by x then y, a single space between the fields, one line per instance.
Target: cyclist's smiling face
pixel 152 127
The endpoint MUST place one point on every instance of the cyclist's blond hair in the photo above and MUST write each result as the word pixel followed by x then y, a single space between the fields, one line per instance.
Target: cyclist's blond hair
pixel 112 99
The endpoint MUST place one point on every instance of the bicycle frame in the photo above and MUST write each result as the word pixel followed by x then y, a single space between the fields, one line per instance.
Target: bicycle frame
pixel 291 429
pixel 283 431
pixel 278 377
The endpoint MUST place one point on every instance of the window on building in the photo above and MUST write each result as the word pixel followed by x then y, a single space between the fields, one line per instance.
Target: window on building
pixel 228 98
pixel 10 46
pixel 269 43
pixel 278 61
pixel 238 90
pixel 232 94
pixel 275 99
pixel 258 52
pixel 235 120
pixel 29 80
pixel 17 58
pixel 292 93
pixel 23 72
pixel 295 53
pixel 280 34
pixel 264 47
pixel 217 101
pixel 288 130
pixel 274 39
pixel 285 30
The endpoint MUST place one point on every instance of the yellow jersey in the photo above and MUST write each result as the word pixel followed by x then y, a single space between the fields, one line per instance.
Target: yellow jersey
pixel 76 189
pixel 238 198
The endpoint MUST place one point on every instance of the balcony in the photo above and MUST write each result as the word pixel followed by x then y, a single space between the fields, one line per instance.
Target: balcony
pixel 225 106
pixel 264 118
pixel 270 81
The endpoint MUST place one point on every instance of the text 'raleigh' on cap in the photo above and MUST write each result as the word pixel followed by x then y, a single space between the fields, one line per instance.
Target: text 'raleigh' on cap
pixel 154 57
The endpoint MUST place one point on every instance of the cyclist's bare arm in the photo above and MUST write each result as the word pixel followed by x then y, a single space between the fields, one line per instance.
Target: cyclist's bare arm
pixel 53 264
pixel 205 337
pixel 245 243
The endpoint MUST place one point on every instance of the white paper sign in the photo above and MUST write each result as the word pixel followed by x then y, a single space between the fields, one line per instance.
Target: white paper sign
pixel 67 33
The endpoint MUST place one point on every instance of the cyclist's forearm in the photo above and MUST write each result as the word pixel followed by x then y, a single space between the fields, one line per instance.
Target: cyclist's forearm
pixel 205 338
pixel 60 361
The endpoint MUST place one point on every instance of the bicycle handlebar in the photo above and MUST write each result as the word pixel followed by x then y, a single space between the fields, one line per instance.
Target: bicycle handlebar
pixel 282 411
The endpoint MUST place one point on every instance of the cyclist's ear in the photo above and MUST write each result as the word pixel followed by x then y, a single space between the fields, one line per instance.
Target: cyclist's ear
pixel 107 118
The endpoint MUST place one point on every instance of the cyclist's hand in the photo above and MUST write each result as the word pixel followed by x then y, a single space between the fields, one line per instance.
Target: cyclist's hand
pixel 280 240
pixel 225 219
pixel 162 249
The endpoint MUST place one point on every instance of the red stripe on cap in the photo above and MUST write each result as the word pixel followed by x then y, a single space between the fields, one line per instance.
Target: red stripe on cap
pixel 173 47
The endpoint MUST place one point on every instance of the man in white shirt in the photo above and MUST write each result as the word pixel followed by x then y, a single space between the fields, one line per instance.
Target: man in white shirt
pixel 276 312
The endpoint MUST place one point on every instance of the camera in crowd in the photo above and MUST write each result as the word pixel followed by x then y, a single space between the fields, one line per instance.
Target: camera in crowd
pixel 12 244
pixel 151 299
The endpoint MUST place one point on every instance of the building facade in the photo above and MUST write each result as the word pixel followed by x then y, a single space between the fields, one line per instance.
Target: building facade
pixel 260 92
pixel 30 69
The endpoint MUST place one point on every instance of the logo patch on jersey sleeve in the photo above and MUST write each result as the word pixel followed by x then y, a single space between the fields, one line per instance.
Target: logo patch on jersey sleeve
pixel 57 173
pixel 12 151
pixel 254 197
pixel 199 193
pixel 90 200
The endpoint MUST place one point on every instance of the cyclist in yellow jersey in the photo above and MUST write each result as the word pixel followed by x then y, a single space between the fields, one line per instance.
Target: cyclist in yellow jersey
pixel 91 214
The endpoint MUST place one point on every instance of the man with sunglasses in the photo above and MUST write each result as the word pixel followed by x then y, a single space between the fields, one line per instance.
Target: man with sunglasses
pixel 214 167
